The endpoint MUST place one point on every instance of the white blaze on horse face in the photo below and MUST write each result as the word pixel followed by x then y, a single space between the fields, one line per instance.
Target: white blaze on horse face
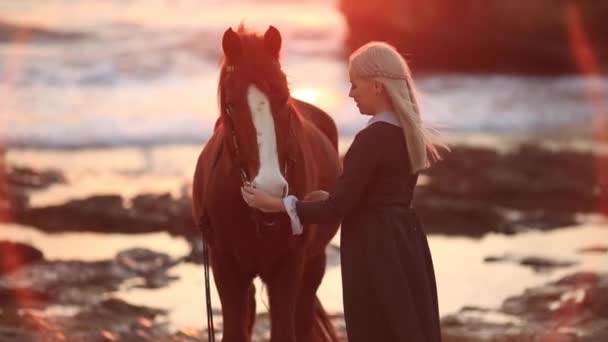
pixel 269 177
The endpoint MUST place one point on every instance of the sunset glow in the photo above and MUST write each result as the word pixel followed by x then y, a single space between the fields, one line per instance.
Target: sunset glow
pixel 108 114
pixel 595 92
pixel 307 94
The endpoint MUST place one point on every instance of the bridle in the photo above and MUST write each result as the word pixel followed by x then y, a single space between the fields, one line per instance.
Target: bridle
pixel 259 218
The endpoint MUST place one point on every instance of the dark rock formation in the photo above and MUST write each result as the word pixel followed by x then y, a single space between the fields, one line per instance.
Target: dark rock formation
pixel 538 264
pixel 29 178
pixel 108 320
pixel 83 287
pixel 108 213
pixel 476 190
pixel 16 183
pixel 74 282
pixel 471 192
pixel 594 250
pixel 537 37
pixel 575 308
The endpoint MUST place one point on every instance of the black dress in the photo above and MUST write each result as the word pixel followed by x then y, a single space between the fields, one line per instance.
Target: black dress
pixel 389 287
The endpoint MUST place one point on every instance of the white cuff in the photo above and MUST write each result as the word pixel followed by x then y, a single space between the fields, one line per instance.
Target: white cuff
pixel 290 206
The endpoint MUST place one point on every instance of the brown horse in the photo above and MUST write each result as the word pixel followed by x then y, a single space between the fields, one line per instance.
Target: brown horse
pixel 281 145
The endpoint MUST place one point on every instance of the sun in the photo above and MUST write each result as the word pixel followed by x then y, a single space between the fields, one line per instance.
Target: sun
pixel 311 95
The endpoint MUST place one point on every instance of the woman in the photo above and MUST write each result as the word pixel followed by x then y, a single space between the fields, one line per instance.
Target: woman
pixel 389 287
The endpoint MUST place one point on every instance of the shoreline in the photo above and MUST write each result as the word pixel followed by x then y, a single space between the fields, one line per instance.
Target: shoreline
pixel 112 179
pixel 169 292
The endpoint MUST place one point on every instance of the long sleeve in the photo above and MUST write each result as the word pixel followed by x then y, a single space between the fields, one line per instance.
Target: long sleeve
pixel 290 206
pixel 360 164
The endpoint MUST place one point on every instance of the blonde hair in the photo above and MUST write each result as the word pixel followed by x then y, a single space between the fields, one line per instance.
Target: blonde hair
pixel 382 62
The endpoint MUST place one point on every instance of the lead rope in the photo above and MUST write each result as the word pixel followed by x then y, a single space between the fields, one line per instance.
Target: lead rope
pixel 203 225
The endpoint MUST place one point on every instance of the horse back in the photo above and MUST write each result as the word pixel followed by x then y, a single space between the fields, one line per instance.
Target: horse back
pixel 207 160
pixel 316 154
pixel 319 118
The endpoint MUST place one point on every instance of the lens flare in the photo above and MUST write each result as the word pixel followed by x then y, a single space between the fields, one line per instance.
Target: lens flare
pixel 587 64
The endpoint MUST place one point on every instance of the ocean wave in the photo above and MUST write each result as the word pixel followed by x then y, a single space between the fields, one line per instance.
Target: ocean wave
pixel 131 53
pixel 24 33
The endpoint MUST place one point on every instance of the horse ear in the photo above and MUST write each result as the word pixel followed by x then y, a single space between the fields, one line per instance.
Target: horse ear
pixel 272 40
pixel 231 43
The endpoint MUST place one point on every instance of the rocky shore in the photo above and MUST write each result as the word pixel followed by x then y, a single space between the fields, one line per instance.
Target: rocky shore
pixel 573 309
pixel 72 301
pixel 474 191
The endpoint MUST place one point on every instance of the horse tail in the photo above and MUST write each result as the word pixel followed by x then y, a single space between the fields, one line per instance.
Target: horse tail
pixel 323 329
pixel 319 118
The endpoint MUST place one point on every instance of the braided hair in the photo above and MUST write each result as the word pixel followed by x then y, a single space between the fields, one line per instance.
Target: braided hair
pixel 382 62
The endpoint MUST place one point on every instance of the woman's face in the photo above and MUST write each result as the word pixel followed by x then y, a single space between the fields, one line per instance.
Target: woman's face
pixel 363 91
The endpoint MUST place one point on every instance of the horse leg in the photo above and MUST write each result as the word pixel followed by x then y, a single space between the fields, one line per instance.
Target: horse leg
pixel 283 286
pixel 312 323
pixel 234 291
pixel 250 309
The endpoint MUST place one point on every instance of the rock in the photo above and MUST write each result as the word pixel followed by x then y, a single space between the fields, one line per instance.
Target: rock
pixel 116 306
pixel 441 214
pixel 580 278
pixel 574 308
pixel 535 301
pixel 104 213
pixel 437 34
pixel 10 333
pixel 83 283
pixel 27 293
pixel 12 198
pixel 477 190
pixel 115 320
pixel 500 258
pixel 471 192
pixel 150 265
pixel 143 261
pixel 15 255
pixel 593 250
pixel 108 213
pixel 540 264
pixel 495 259
pixel 29 178
pixel 151 203
pixel 108 320
pixel 177 213
pixel 528 178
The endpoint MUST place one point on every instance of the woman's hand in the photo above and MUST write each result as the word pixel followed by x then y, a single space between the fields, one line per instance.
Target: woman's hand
pixel 317 195
pixel 262 200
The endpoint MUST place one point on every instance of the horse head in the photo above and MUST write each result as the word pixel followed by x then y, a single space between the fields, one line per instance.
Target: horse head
pixel 255 106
